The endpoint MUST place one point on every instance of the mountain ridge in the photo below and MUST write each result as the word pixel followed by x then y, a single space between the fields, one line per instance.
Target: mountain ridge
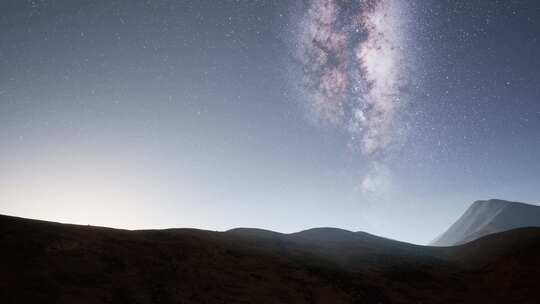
pixel 484 217
pixel 47 262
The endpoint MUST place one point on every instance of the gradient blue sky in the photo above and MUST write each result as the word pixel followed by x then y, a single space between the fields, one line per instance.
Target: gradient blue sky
pixel 153 114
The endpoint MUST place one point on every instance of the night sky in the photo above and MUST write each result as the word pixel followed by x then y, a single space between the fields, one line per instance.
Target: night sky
pixel 385 116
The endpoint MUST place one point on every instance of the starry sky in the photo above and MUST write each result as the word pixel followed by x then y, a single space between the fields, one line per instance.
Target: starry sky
pixel 385 116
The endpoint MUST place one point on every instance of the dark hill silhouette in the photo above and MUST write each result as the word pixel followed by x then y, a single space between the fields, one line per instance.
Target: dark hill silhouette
pixel 44 262
pixel 486 217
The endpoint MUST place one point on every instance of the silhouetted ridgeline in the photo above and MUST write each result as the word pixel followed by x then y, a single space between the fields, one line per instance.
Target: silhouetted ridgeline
pixel 44 262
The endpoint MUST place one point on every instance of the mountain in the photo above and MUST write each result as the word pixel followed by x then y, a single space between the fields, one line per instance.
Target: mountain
pixel 486 217
pixel 44 262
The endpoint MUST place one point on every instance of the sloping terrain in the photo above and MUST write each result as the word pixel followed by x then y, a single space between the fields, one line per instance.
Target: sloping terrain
pixel 486 217
pixel 44 262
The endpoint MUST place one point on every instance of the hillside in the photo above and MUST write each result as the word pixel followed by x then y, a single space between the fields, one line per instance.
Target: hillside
pixel 44 262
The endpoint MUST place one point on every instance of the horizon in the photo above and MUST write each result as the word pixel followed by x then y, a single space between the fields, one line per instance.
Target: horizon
pixel 389 117
pixel 277 231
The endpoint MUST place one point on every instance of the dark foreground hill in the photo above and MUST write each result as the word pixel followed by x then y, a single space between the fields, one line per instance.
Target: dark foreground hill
pixel 486 217
pixel 43 262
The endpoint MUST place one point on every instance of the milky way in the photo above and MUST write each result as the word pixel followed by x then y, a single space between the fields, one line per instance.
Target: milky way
pixel 354 61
